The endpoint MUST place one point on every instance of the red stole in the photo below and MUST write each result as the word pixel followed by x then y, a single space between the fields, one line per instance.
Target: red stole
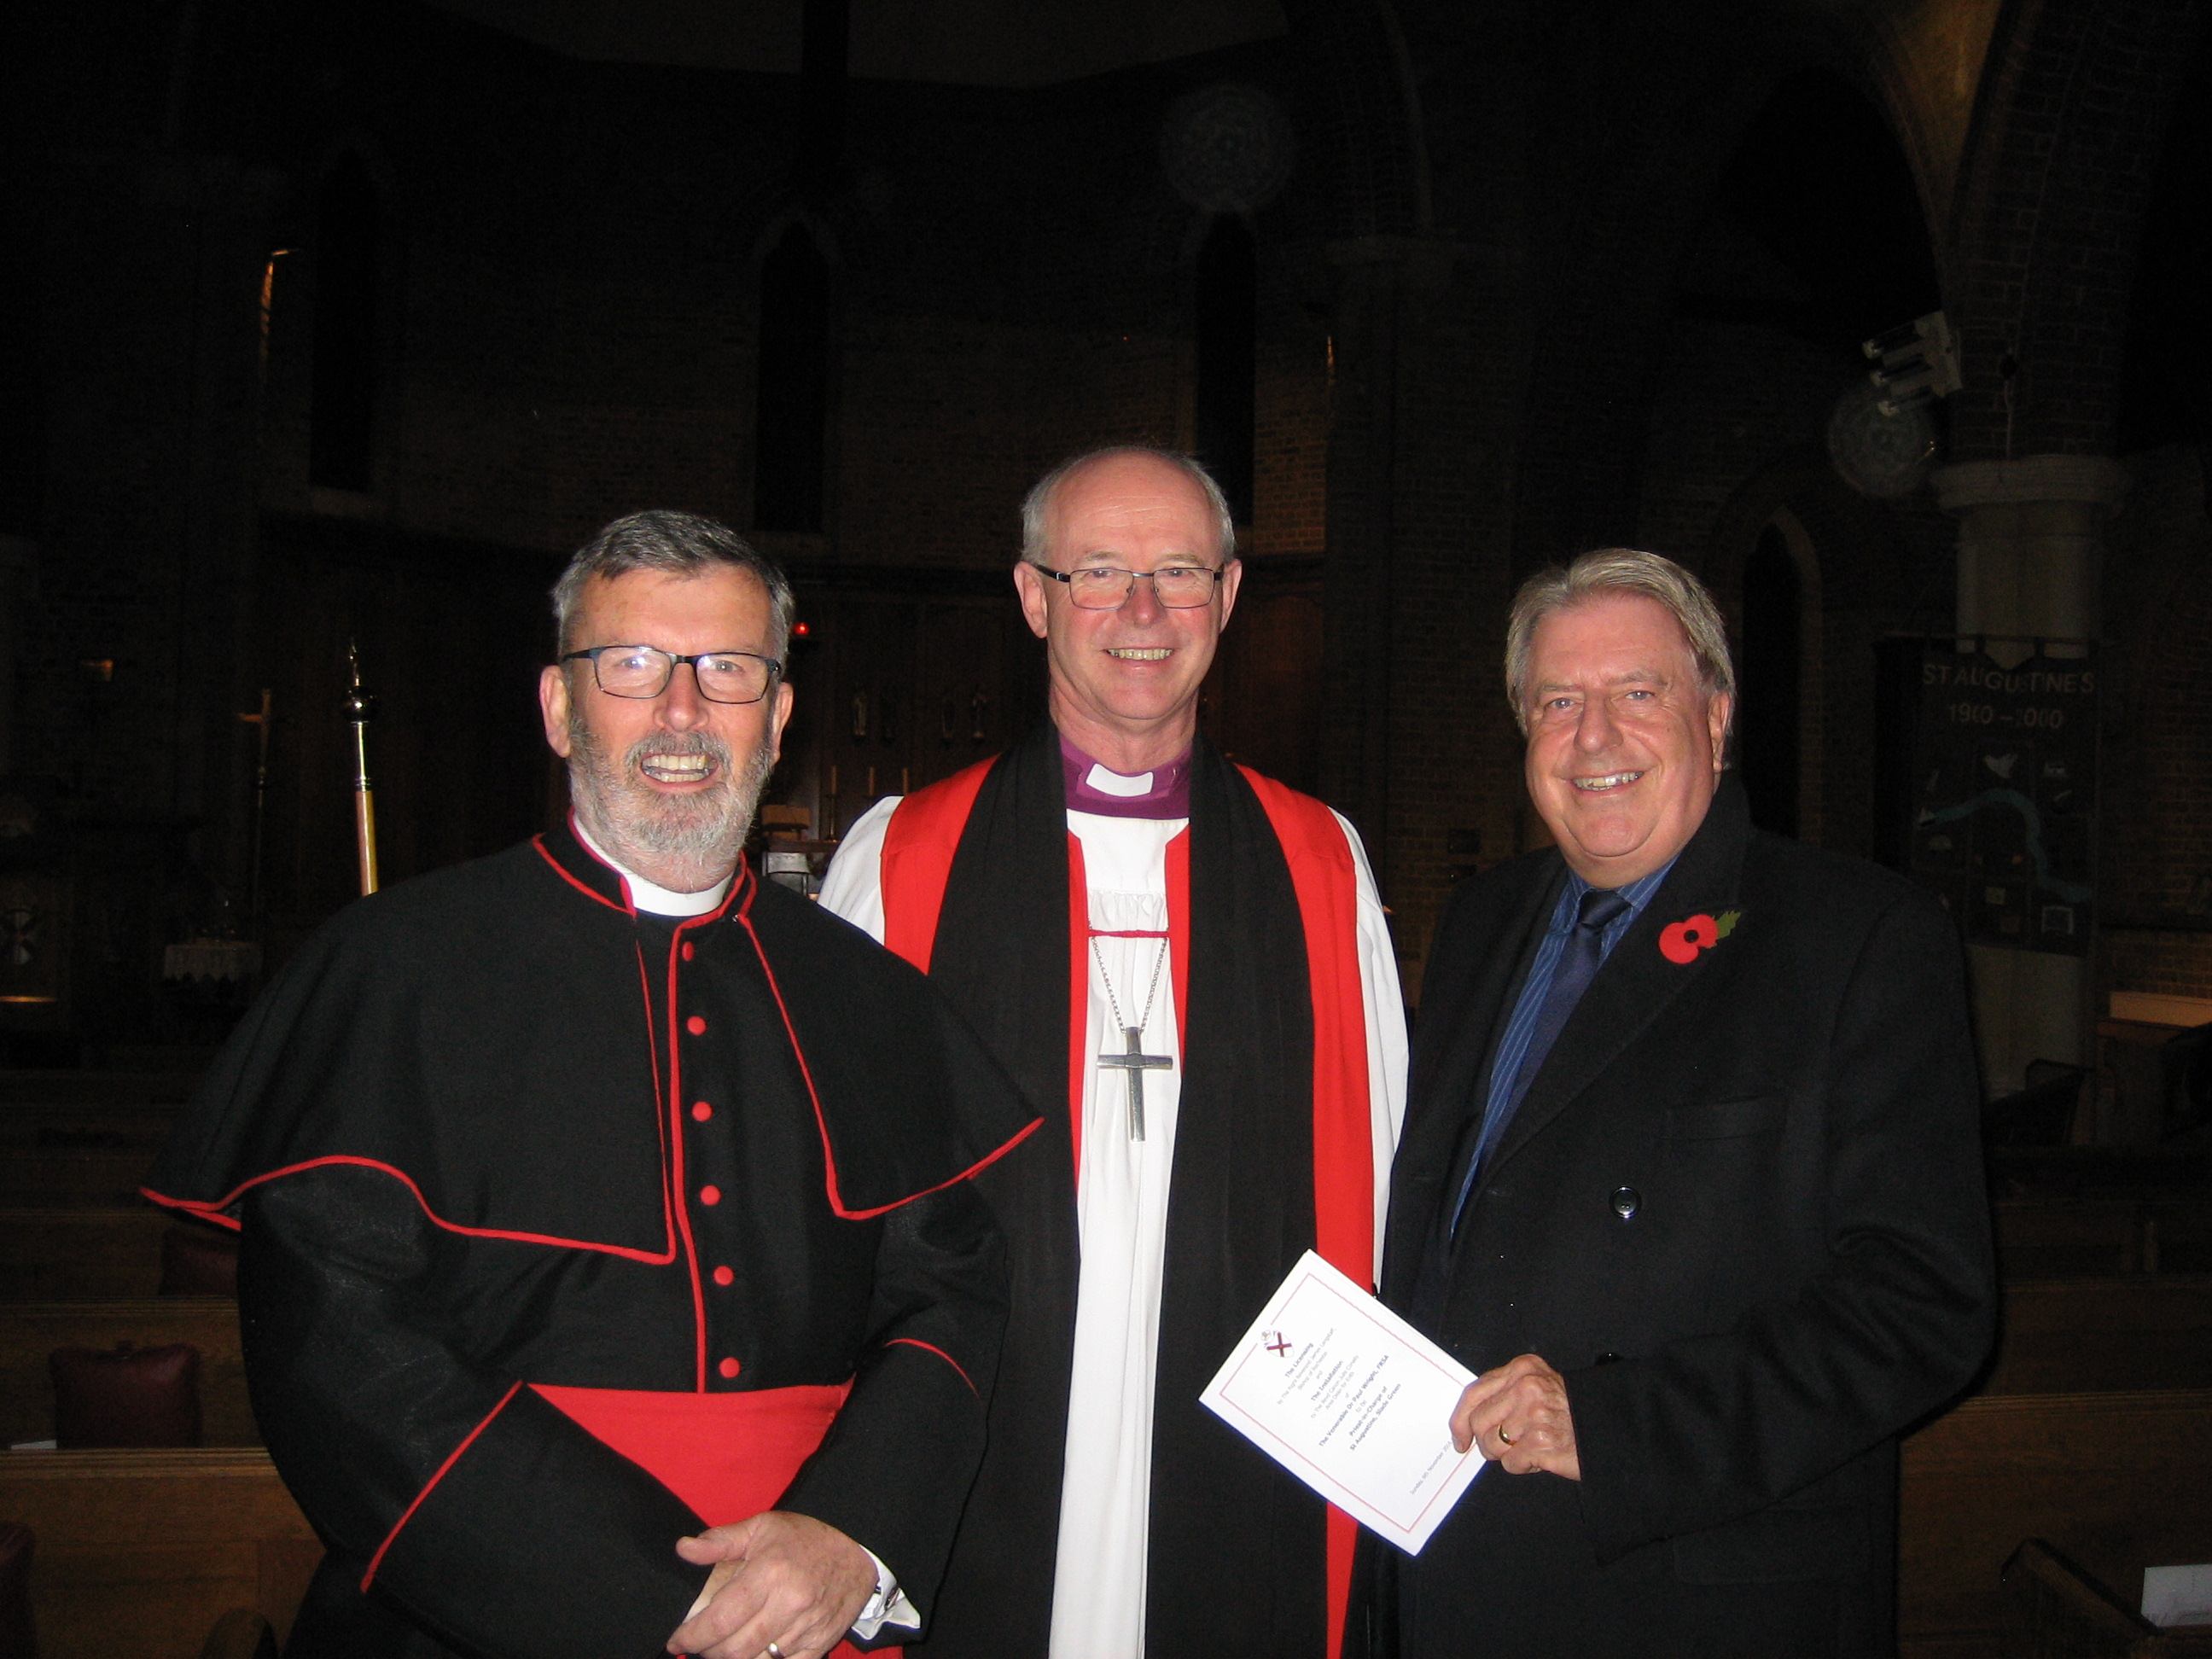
pixel 919 844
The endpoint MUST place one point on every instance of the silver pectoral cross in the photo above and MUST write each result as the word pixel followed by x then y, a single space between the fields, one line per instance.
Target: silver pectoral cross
pixel 1134 1064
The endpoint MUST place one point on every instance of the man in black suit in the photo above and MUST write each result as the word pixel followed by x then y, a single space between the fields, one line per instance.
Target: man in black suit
pixel 1689 1174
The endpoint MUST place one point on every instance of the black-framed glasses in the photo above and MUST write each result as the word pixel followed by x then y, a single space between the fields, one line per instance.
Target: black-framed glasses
pixel 644 670
pixel 1105 587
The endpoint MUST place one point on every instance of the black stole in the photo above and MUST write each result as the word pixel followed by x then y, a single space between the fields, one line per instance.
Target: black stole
pixel 1236 1546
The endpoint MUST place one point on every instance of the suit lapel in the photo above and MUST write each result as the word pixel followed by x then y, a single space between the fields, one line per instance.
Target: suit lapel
pixel 1637 980
pixel 1460 1021
pixel 1477 1016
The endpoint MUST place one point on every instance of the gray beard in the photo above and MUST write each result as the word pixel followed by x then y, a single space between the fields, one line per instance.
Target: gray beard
pixel 685 845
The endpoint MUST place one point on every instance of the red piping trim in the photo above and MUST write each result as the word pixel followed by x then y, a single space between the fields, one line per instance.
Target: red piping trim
pixel 206 1207
pixel 561 870
pixel 194 1206
pixel 821 1125
pixel 738 901
pixel 805 1072
pixel 454 1457
pixel 968 1174
pixel 930 1348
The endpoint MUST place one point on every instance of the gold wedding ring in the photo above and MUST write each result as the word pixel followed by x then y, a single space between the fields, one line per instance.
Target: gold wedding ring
pixel 1504 1438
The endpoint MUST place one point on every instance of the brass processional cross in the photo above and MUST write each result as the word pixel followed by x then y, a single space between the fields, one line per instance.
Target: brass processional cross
pixel 1133 1064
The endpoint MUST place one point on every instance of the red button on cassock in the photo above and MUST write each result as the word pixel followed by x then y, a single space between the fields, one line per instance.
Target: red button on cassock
pixel 702 1111
pixel 724 1277
pixel 690 950
pixel 729 1368
pixel 696 1025
pixel 710 1196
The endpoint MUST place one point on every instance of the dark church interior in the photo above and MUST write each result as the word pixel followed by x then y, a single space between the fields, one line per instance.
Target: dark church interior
pixel 331 331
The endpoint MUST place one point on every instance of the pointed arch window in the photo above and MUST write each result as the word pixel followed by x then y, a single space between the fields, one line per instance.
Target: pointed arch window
pixel 791 413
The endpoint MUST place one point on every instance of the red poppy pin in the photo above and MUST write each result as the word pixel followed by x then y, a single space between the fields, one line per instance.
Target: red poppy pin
pixel 1680 941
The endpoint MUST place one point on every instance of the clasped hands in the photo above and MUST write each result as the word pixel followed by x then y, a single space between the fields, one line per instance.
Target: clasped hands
pixel 1517 1414
pixel 800 1583
pixel 778 1577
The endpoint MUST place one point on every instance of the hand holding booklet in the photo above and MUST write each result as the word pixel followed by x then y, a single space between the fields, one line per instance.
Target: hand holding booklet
pixel 1352 1400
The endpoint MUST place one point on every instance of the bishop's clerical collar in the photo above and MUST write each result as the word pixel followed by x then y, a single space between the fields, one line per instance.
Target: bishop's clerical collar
pixel 1161 793
pixel 650 896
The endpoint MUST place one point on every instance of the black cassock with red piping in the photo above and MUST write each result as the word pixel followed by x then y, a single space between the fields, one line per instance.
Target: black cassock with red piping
pixel 510 1158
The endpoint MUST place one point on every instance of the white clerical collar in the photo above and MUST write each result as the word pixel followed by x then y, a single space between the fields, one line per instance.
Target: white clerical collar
pixel 1113 783
pixel 651 897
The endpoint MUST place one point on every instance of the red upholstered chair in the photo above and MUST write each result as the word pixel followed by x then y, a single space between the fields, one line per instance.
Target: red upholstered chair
pixel 17 1638
pixel 197 1260
pixel 126 1396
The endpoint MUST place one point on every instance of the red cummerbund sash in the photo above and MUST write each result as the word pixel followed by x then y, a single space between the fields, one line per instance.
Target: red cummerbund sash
pixel 728 1456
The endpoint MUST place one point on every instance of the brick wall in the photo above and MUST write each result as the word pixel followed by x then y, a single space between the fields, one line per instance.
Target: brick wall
pixel 2156 762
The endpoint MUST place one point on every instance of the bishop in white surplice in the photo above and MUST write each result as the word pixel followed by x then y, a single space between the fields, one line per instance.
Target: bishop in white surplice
pixel 1121 1188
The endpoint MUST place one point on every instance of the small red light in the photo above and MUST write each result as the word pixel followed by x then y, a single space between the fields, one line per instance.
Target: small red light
pixel 801 629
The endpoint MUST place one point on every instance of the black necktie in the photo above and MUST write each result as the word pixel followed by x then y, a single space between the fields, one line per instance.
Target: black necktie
pixel 1570 977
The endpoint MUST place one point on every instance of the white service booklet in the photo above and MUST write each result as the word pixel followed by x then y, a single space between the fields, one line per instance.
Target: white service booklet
pixel 2178 1597
pixel 1352 1400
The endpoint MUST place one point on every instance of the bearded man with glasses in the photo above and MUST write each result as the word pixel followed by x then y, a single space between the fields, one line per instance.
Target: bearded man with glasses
pixel 1185 967
pixel 598 1195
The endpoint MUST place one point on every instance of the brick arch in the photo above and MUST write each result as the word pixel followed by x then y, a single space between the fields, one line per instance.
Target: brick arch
pixel 1832 519
pixel 1655 136
pixel 2056 181
pixel 1860 575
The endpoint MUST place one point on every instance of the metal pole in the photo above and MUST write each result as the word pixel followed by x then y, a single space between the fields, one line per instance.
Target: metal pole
pixel 361 708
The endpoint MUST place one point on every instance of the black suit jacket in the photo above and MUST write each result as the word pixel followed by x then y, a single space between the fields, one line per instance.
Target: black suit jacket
pixel 1741 1210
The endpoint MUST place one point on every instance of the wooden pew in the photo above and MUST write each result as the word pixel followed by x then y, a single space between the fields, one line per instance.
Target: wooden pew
pixel 55 1254
pixel 48 1176
pixel 2115 1481
pixel 154 1547
pixel 29 1331
pixel 2058 1610
pixel 85 1123
pixel 2099 1172
pixel 2049 1237
pixel 2089 1335
pixel 96 1088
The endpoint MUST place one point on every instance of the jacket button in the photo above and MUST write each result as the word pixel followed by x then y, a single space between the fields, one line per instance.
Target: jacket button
pixel 701 1111
pixel 696 1025
pixel 725 1277
pixel 689 951
pixel 729 1368
pixel 710 1196
pixel 1627 1201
